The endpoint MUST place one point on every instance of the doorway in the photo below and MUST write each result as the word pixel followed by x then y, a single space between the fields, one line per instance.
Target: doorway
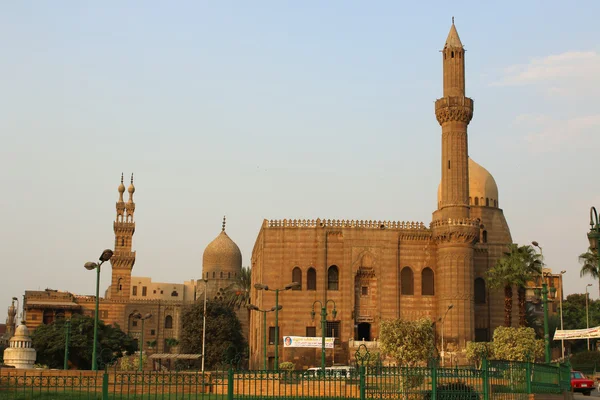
pixel 364 331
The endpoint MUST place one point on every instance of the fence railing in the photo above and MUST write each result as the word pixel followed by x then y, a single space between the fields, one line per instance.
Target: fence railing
pixel 495 379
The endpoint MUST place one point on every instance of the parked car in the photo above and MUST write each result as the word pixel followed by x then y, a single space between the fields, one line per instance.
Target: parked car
pixel 579 383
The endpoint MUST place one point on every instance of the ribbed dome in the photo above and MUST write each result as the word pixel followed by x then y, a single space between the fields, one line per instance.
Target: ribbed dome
pixel 222 255
pixel 483 190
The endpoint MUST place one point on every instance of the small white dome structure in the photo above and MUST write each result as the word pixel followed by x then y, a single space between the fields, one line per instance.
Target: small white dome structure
pixel 20 354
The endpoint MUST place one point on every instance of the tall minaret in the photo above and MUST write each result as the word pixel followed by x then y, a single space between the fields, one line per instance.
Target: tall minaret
pixel 123 259
pixel 453 231
pixel 11 319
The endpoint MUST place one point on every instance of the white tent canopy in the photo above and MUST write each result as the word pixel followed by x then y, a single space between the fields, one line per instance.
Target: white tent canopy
pixel 573 334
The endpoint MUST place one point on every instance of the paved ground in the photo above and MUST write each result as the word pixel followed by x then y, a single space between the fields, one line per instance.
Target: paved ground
pixel 595 393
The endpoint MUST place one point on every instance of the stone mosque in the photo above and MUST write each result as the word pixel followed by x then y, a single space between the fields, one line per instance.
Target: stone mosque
pixel 377 270
pixel 368 270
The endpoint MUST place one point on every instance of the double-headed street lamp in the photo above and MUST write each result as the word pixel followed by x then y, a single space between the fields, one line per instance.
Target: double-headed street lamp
pixel 67 337
pixel 587 313
pixel 594 233
pixel 252 307
pixel 105 256
pixel 450 306
pixel 260 286
pixel 323 326
pixel 144 318
pixel 545 305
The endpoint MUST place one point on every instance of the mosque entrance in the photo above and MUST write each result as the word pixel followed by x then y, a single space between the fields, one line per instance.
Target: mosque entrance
pixel 364 331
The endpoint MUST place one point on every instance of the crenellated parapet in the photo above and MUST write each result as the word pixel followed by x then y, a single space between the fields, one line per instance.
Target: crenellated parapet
pixel 458 108
pixel 123 259
pixel 337 223
pixel 455 230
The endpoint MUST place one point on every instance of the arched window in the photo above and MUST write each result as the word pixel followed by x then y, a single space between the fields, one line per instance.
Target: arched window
pixel 427 283
pixel 484 237
pixel 122 241
pixel 487 202
pixel 476 201
pixel 221 274
pixel 333 277
pixel 495 203
pixel 479 291
pixel 213 274
pixel 168 322
pixel 406 281
pixel 311 279
pixel 297 277
pixel 229 275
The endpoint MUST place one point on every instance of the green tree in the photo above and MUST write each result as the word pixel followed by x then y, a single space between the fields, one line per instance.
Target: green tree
pixel 589 265
pixel 409 342
pixel 519 265
pixel 515 344
pixel 223 332
pixel 477 351
pixel 49 342
pixel 2 347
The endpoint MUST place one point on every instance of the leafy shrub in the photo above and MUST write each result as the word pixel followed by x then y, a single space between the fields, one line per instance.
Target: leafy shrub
pixel 477 351
pixel 454 391
pixel 586 357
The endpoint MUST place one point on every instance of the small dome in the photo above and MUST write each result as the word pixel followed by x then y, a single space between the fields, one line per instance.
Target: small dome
pixel 221 255
pixel 21 333
pixel 483 190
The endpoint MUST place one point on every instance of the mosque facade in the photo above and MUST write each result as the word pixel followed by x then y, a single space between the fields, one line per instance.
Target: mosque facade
pixel 371 271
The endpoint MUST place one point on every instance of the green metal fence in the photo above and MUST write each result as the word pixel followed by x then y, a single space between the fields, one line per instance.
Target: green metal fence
pixel 495 379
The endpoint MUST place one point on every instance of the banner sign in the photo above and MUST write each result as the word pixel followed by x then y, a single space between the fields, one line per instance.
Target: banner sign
pixel 312 342
pixel 590 333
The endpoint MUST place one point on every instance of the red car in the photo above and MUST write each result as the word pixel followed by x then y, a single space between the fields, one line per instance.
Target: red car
pixel 579 383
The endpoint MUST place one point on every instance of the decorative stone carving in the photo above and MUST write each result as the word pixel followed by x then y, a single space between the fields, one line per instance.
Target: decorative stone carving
pixel 463 230
pixel 461 114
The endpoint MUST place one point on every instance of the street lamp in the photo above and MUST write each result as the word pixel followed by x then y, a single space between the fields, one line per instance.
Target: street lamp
pixel 252 307
pixel 204 324
pixel 67 336
pixel 587 313
pixel 562 344
pixel 105 256
pixel 260 286
pixel 545 305
pixel 323 326
pixel 145 317
pixel 450 306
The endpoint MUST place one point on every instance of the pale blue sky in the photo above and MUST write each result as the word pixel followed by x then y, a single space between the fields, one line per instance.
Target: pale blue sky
pixel 279 109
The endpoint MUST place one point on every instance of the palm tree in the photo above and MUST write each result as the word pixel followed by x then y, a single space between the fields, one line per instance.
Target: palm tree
pixel 237 295
pixel 589 265
pixel 515 268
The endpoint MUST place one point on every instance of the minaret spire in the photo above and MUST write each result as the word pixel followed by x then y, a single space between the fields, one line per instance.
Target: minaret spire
pixel 224 221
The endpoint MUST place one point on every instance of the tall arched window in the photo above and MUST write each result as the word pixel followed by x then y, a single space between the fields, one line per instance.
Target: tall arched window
pixel 487 202
pixel 476 201
pixel 427 283
pixel 407 285
pixel 484 236
pixel 168 322
pixel 221 274
pixel 311 279
pixel 479 291
pixel 297 277
pixel 333 277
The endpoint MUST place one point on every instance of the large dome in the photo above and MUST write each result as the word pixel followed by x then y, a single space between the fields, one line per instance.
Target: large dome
pixel 483 190
pixel 222 258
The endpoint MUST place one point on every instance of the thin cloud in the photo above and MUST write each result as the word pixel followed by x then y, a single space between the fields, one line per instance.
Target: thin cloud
pixel 562 72
pixel 551 134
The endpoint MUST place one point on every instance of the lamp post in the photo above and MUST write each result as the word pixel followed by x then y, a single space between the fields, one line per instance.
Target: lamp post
pixel 260 286
pixel 545 305
pixel 450 306
pixel 105 256
pixel 204 324
pixel 587 313
pixel 323 326
pixel 252 307
pixel 594 234
pixel 144 318
pixel 67 336
pixel 562 341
